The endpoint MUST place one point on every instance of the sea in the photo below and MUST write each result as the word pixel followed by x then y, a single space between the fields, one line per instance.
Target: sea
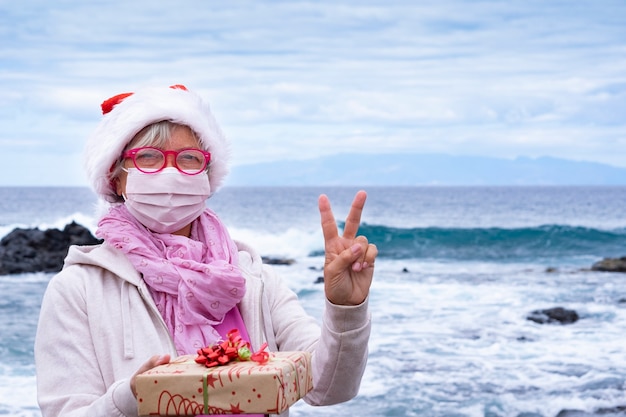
pixel 459 271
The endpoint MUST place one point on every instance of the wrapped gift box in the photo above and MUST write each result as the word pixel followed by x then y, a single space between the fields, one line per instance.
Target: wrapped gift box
pixel 184 387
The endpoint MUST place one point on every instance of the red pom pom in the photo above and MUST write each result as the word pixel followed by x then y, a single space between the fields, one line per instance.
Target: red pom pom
pixel 108 104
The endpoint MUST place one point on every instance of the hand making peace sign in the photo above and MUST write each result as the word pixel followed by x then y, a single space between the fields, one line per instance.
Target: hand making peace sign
pixel 349 263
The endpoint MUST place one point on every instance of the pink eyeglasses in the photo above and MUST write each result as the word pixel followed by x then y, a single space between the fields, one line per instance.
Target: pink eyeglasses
pixel 150 160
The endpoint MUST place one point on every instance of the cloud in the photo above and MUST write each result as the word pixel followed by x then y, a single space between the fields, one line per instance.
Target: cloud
pixel 295 79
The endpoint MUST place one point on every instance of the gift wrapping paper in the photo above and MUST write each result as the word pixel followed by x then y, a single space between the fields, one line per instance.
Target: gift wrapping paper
pixel 184 387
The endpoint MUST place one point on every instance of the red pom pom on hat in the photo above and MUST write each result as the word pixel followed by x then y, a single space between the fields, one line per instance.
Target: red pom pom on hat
pixel 108 104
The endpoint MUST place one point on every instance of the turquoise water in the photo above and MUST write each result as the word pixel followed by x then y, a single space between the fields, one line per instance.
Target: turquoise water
pixel 459 271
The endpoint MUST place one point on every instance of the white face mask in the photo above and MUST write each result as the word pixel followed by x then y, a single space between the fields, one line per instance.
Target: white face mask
pixel 167 201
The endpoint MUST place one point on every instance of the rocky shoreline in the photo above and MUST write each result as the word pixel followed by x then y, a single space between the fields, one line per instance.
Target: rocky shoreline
pixel 35 250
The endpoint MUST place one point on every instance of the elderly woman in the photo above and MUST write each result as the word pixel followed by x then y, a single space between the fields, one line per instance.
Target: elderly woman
pixel 169 279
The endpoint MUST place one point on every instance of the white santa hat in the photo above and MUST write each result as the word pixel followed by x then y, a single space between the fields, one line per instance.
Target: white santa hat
pixel 126 114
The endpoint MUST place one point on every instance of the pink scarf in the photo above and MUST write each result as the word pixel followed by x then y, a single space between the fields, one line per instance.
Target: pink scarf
pixel 194 281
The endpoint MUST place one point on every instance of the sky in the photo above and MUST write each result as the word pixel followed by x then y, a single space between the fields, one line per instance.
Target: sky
pixel 300 79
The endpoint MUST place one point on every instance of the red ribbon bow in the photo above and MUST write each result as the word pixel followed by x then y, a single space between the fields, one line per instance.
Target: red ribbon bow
pixel 234 348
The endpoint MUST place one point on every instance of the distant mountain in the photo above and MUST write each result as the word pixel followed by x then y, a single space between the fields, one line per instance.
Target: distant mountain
pixel 426 169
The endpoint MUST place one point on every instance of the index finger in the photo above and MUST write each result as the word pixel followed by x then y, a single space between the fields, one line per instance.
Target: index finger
pixel 353 221
pixel 329 225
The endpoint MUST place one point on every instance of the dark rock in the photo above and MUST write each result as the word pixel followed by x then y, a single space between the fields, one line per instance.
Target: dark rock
pixel 34 250
pixel 620 410
pixel 573 413
pixel 606 412
pixel 610 265
pixel 319 280
pixel 277 261
pixel 554 315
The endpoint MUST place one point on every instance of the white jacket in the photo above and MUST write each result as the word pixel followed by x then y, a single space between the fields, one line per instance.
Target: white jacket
pixel 98 324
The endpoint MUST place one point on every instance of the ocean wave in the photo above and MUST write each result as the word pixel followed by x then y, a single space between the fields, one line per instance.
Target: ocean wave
pixel 546 241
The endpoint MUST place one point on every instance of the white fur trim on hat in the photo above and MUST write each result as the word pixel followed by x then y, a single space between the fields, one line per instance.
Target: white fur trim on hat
pixel 140 109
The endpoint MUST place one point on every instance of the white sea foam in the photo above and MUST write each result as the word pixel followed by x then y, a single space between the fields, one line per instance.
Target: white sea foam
pixel 291 243
pixel 18 395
